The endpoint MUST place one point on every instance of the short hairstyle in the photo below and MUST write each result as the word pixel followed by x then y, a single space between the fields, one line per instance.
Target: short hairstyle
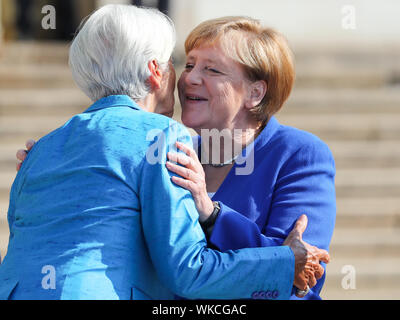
pixel 263 52
pixel 110 53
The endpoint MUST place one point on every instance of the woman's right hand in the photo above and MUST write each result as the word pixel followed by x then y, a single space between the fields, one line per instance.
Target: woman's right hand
pixel 191 178
pixel 21 154
pixel 307 258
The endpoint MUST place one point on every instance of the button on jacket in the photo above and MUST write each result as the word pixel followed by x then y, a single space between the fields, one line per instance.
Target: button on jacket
pixel 93 214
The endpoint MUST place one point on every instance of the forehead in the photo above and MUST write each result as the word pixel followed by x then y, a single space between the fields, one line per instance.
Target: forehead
pixel 216 56
pixel 210 53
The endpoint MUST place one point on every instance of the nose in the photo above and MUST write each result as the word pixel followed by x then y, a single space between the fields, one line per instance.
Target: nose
pixel 193 77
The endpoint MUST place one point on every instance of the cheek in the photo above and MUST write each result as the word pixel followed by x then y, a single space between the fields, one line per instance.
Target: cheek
pixel 172 85
pixel 225 96
pixel 181 82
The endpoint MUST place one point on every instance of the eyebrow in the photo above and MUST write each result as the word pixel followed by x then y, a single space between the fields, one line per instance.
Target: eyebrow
pixel 207 60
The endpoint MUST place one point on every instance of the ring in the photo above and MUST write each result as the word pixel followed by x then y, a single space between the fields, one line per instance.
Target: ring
pixel 303 293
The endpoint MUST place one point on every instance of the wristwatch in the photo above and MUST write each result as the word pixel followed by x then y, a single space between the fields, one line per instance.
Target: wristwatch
pixel 213 217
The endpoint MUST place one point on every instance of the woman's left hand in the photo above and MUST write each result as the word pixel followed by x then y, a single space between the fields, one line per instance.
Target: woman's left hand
pixel 192 178
pixel 21 154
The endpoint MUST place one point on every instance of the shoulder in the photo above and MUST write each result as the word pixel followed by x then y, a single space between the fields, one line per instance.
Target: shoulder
pixel 301 145
pixel 164 123
pixel 122 118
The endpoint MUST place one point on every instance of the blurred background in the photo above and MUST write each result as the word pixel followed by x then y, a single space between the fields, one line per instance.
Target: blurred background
pixel 347 92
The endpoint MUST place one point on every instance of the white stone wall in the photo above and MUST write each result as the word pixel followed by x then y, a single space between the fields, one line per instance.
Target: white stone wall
pixel 1 24
pixel 101 3
pixel 306 21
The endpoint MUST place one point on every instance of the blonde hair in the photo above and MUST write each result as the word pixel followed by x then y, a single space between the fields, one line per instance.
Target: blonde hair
pixel 263 52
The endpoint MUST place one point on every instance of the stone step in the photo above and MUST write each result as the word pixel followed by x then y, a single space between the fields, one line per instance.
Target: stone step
pixel 33 52
pixel 365 213
pixel 18 130
pixel 329 293
pixel 366 154
pixel 377 177
pixel 22 125
pixel 4 234
pixel 6 180
pixel 35 76
pixel 362 278
pixel 304 101
pixel 351 126
pixel 334 78
pixel 36 103
pixel 362 274
pixel 377 243
pixel 351 55
pixel 380 182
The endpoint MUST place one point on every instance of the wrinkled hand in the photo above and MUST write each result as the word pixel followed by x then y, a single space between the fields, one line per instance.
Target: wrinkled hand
pixel 21 154
pixel 191 178
pixel 307 267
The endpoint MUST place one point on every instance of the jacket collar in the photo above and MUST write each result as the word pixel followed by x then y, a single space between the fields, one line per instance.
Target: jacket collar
pixel 265 136
pixel 113 101
pixel 261 140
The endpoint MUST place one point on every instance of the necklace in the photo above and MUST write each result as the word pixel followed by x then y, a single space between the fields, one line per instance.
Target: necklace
pixel 219 165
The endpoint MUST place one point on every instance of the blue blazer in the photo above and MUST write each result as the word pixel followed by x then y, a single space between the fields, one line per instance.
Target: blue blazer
pixel 293 173
pixel 94 214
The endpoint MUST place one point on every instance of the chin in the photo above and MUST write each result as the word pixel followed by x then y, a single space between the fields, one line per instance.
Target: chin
pixel 190 120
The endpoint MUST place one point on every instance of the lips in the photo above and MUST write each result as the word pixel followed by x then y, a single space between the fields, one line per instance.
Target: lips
pixel 194 97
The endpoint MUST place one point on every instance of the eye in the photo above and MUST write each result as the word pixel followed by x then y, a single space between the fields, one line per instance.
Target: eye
pixel 189 66
pixel 213 70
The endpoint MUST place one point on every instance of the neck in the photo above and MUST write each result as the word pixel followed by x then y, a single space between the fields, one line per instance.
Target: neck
pixel 223 146
pixel 148 103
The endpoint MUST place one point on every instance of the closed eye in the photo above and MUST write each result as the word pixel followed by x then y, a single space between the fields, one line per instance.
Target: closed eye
pixel 213 70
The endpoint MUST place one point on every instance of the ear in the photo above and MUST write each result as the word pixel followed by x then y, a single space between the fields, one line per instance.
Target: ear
pixel 155 75
pixel 257 91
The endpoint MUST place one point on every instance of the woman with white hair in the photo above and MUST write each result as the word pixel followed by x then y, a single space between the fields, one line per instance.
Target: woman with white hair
pixel 92 218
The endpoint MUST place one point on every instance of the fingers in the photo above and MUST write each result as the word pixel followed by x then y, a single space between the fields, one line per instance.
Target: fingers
pixel 29 144
pixel 319 272
pixel 298 229
pixel 184 183
pixel 181 159
pixel 312 281
pixel 301 224
pixel 301 281
pixel 21 155
pixel 179 170
pixel 189 151
pixel 194 159
pixel 323 256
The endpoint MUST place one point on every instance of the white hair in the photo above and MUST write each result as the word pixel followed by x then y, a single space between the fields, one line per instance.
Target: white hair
pixel 111 52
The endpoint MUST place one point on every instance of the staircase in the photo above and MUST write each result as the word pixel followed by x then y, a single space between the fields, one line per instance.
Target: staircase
pixel 37 95
pixel 349 97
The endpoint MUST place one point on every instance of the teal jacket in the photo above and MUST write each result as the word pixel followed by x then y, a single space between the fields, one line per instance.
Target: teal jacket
pixel 93 214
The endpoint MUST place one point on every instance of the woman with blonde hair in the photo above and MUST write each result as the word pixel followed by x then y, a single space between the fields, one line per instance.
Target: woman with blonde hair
pixel 250 189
